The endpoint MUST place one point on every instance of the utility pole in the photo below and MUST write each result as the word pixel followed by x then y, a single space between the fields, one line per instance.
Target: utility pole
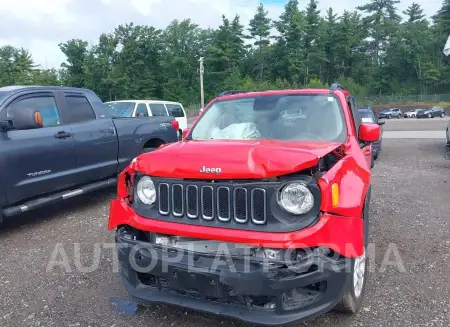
pixel 202 95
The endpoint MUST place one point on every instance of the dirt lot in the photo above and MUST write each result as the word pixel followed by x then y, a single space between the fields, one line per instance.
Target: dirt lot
pixel 410 212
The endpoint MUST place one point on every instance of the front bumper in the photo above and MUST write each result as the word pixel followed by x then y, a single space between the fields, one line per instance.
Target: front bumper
pixel 256 292
pixel 343 235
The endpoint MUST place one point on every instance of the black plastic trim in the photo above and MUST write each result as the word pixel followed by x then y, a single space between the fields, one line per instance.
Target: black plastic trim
pixel 277 219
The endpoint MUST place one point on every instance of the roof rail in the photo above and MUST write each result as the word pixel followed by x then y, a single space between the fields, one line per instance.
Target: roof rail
pixel 336 86
pixel 231 92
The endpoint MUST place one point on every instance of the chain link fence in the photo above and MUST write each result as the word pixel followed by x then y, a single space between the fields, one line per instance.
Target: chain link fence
pixel 443 100
pixel 403 99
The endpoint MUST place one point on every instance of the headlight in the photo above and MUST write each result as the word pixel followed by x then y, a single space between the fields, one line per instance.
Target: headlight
pixel 146 190
pixel 296 198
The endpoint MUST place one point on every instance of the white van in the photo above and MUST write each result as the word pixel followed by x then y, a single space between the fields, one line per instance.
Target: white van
pixel 148 108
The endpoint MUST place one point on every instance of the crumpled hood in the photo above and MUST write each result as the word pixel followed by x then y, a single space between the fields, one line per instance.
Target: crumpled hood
pixel 225 159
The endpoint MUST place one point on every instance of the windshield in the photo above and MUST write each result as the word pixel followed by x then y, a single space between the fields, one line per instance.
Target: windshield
pixel 121 109
pixel 282 117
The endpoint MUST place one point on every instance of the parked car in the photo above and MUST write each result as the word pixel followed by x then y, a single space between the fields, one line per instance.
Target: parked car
pixel 149 108
pixel 391 113
pixel 368 116
pixel 274 201
pixel 411 113
pixel 60 142
pixel 431 112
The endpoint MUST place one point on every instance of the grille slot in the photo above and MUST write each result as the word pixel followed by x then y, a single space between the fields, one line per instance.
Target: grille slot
pixel 192 201
pixel 163 190
pixel 177 200
pixel 207 201
pixel 258 206
pixel 240 205
pixel 224 203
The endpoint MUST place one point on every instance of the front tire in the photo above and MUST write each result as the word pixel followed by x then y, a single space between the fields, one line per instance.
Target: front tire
pixel 352 300
pixel 429 116
pixel 442 115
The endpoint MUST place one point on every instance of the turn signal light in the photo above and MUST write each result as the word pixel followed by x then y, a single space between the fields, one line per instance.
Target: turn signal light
pixel 175 125
pixel 335 194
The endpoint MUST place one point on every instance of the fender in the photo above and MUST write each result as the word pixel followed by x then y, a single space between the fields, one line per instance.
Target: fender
pixel 353 181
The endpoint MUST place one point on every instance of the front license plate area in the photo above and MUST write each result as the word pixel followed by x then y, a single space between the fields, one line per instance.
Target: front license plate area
pixel 196 283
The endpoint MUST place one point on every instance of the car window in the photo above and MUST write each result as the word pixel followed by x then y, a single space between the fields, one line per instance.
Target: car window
pixel 121 109
pixel 281 117
pixel 175 110
pixel 367 116
pixel 46 106
pixel 79 109
pixel 141 110
pixel 158 109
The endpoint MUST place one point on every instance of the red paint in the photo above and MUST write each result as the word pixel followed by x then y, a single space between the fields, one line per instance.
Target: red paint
pixel 343 235
pixel 238 159
pixel 175 125
pixel 340 227
pixel 369 132
pixel 186 132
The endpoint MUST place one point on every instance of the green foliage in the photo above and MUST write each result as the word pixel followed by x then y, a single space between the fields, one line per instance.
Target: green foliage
pixel 370 50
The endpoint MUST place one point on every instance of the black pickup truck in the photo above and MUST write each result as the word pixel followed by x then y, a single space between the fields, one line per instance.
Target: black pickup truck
pixel 60 142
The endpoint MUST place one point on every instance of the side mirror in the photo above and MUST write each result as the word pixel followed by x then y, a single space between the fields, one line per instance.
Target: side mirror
pixel 369 132
pixel 27 118
pixel 185 132
pixel 381 122
pixel 6 125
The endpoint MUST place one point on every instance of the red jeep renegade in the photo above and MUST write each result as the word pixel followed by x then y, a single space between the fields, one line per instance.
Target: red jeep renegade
pixel 260 213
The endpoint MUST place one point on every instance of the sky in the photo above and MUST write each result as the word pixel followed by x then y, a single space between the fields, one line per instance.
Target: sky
pixel 40 25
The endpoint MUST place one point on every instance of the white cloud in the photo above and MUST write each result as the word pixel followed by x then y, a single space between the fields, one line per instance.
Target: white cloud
pixel 40 25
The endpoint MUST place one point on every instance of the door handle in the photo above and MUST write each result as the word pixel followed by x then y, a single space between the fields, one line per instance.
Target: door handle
pixel 62 135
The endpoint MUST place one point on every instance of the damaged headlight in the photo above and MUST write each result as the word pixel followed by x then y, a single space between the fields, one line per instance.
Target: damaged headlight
pixel 295 198
pixel 146 190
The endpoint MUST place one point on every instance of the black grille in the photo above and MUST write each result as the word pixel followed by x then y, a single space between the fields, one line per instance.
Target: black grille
pixel 177 200
pixel 164 198
pixel 207 202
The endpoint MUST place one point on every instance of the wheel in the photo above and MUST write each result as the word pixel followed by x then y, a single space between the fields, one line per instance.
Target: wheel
pixel 442 115
pixel 389 116
pixel 399 116
pixel 413 116
pixel 352 300
pixel 429 116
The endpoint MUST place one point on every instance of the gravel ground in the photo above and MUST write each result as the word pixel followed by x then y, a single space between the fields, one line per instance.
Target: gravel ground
pixel 409 217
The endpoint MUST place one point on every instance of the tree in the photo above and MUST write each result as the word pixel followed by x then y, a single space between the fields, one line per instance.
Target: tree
pixel 259 28
pixel 290 42
pixel 76 51
pixel 371 50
